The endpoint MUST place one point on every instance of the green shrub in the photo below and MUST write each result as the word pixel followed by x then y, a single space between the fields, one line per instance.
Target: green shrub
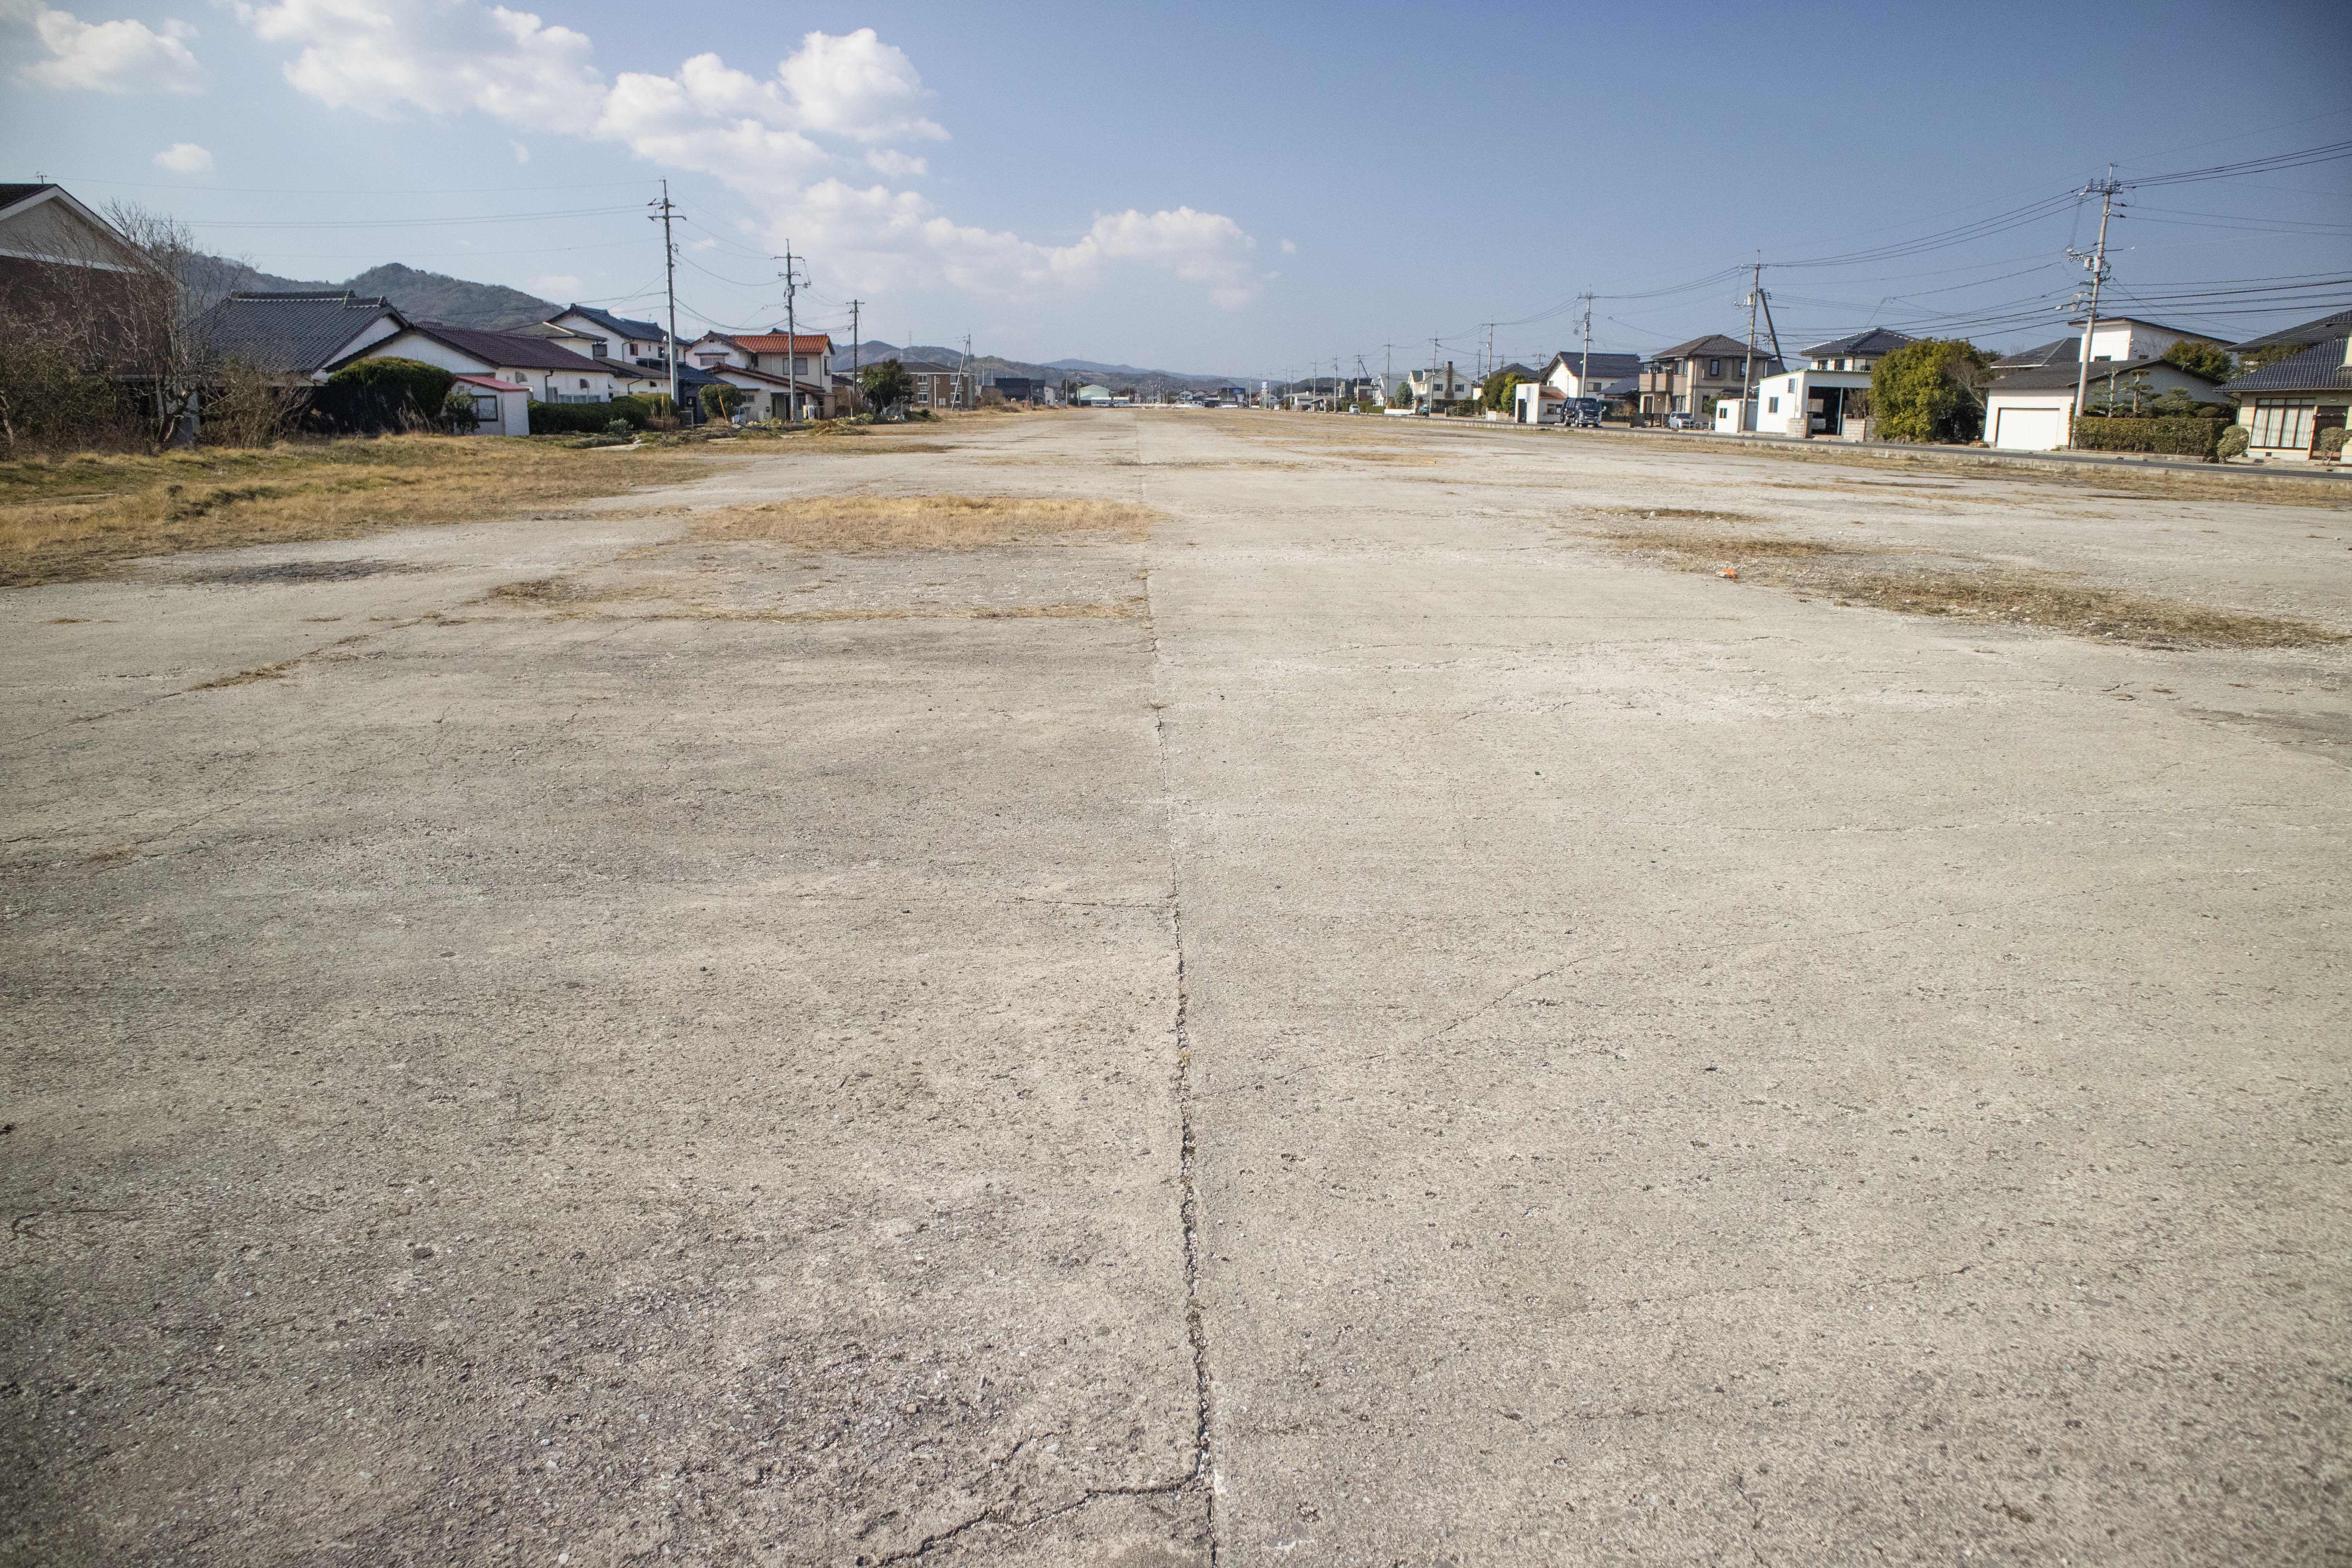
pixel 637 412
pixel 458 410
pixel 2331 443
pixel 719 401
pixel 1932 390
pixel 2233 443
pixel 379 394
pixel 2170 437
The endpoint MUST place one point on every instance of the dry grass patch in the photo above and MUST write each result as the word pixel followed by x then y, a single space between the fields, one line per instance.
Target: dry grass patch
pixel 1923 584
pixel 74 518
pixel 890 525
pixel 2119 481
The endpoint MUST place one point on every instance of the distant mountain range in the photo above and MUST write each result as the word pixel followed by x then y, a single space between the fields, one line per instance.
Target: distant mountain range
pixel 1053 372
pixel 437 297
pixel 420 296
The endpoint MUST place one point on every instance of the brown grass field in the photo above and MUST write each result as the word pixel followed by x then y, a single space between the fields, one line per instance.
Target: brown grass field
pixel 70 518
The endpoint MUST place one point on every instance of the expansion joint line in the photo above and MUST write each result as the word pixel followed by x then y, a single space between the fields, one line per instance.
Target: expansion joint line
pixel 1204 1476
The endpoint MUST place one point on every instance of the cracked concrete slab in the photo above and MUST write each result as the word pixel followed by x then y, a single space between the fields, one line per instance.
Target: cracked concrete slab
pixel 1412 1037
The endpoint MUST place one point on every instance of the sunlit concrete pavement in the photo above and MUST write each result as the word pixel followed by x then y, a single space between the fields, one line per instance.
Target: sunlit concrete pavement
pixel 1415 1040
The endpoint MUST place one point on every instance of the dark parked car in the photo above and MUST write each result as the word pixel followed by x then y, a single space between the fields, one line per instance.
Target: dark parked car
pixel 1584 413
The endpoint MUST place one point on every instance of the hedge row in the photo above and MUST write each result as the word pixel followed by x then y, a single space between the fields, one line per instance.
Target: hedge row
pixel 2172 438
pixel 590 418
pixel 379 394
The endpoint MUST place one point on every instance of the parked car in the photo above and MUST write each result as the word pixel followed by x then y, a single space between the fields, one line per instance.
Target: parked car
pixel 1682 422
pixel 1584 413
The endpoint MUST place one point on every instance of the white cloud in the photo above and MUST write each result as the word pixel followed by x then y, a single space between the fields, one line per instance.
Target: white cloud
pixel 765 138
pixel 857 86
pixel 557 283
pixel 185 158
pixel 521 152
pixel 110 57
pixel 1289 247
pixel 441 56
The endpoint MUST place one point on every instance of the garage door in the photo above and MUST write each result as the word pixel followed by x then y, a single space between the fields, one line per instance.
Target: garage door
pixel 2029 430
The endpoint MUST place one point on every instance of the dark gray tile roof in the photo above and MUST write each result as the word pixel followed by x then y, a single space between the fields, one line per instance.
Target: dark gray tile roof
pixel 2063 377
pixel 620 326
pixel 297 333
pixel 1608 364
pixel 1714 345
pixel 2336 326
pixel 2069 350
pixel 11 194
pixel 2319 368
pixel 1869 340
pixel 511 349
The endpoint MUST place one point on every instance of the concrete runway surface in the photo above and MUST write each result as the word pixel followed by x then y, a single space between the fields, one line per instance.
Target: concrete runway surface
pixel 1388 1034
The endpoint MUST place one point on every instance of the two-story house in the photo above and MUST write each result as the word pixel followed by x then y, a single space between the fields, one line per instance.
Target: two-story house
pixel 779 369
pixel 2029 408
pixel 1571 374
pixel 1691 378
pixel 941 386
pixel 1830 395
pixel 1446 386
pixel 619 338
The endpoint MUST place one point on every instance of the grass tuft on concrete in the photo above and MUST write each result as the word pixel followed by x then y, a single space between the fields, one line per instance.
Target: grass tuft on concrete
pixel 1917 583
pixel 865 525
pixel 70 520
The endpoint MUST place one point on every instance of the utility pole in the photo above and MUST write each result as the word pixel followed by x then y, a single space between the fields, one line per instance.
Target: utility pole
pixel 792 340
pixel 670 272
pixel 1489 361
pixel 1432 378
pixel 1584 370
pixel 964 374
pixel 852 349
pixel 1748 366
pixel 2097 262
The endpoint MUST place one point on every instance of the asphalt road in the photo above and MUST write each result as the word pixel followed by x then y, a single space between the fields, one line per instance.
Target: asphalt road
pixel 1364 1029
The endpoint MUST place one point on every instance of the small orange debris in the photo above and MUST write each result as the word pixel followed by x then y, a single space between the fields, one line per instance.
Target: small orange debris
pixel 1730 572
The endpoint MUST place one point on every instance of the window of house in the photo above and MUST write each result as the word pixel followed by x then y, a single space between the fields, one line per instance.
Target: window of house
pixel 583 383
pixel 596 348
pixel 1715 367
pixel 1775 405
pixel 2279 422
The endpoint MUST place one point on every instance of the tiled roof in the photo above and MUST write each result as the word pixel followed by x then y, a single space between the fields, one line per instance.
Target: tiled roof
pixel 1609 364
pixel 2319 368
pixel 298 333
pixel 1869 340
pixel 1714 345
pixel 774 342
pixel 619 326
pixel 2057 348
pixel 509 349
pixel 2063 377
pixel 2336 326
pixel 11 194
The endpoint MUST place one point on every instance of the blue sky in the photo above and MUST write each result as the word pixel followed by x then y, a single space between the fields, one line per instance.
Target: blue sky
pixel 1227 188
